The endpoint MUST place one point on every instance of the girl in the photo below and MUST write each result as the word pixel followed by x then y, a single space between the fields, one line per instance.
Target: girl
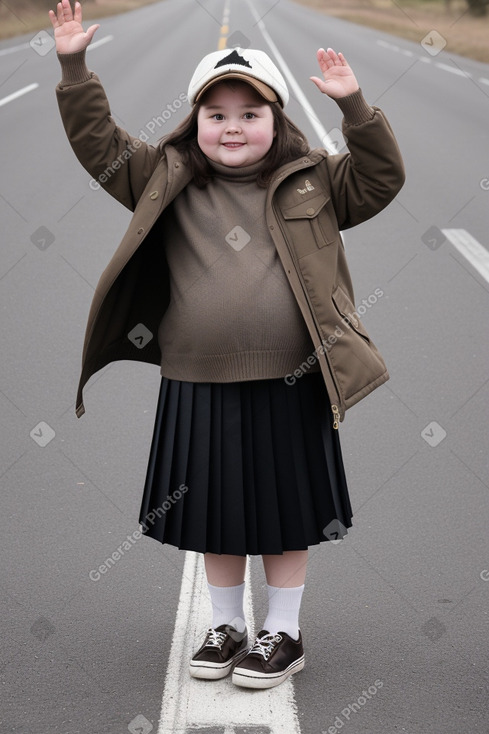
pixel 232 278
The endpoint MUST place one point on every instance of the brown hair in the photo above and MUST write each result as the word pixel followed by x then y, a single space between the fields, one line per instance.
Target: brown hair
pixel 288 144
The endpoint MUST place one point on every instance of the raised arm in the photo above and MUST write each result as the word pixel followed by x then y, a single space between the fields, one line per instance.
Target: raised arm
pixel 118 162
pixel 364 180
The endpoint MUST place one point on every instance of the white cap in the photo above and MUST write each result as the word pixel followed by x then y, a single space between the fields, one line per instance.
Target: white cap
pixel 249 65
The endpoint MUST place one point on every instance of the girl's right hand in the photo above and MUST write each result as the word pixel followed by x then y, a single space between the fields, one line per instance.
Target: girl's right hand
pixel 68 31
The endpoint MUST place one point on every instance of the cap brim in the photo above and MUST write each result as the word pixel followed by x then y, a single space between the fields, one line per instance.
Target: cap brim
pixel 263 89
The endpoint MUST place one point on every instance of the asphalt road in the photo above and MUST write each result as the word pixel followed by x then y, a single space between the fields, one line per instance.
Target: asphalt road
pixel 404 598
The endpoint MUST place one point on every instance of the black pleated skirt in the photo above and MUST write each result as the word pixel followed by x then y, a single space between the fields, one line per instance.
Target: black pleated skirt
pixel 245 468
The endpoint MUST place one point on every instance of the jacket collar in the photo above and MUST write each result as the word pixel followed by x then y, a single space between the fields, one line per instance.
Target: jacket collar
pixel 179 175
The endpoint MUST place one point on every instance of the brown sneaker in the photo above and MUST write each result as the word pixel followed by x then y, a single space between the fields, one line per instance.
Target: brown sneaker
pixel 271 660
pixel 222 648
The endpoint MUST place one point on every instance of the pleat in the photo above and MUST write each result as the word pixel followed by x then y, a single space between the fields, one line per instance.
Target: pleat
pixel 302 488
pixel 158 480
pixel 250 498
pixel 232 501
pixel 266 468
pixel 332 503
pixel 173 523
pixel 155 444
pixel 286 477
pixel 198 470
pixel 341 510
pixel 260 460
pixel 214 510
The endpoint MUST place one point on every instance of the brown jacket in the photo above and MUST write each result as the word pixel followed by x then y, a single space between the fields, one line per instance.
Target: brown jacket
pixel 308 202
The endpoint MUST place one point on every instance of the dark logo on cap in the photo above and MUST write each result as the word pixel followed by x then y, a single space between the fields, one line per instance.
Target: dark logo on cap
pixel 233 58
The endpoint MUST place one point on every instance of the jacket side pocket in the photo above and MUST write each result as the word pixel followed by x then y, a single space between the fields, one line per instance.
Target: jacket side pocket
pixel 347 311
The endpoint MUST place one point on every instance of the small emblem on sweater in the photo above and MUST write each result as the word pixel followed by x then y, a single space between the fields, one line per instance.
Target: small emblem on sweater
pixel 233 58
pixel 308 185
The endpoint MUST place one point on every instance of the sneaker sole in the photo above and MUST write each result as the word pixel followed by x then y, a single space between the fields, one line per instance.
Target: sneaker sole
pixel 215 671
pixel 255 679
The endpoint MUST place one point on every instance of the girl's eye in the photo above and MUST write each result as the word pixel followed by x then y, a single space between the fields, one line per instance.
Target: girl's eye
pixel 218 116
pixel 249 115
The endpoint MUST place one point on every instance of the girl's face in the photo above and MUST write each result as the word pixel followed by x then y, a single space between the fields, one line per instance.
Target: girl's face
pixel 235 124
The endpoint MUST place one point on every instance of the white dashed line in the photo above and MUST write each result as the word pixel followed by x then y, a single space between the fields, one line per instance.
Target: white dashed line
pixel 13 49
pixel 23 46
pixel 100 42
pixel 452 69
pixel 190 704
pixel 18 93
pixel 386 44
pixel 30 87
pixel 424 59
pixel 471 249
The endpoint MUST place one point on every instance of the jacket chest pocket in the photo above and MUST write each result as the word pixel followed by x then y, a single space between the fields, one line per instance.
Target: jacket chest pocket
pixel 319 213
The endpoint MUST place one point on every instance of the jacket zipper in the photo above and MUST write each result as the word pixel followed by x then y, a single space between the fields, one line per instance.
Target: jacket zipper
pixel 336 416
pixel 334 407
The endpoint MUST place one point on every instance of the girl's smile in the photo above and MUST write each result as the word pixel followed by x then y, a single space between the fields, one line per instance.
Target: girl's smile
pixel 235 124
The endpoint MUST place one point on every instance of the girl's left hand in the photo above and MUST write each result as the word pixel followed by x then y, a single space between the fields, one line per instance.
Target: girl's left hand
pixel 338 78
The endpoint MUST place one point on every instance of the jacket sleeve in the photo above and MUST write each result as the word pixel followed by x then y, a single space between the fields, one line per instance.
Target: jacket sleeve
pixel 367 178
pixel 119 162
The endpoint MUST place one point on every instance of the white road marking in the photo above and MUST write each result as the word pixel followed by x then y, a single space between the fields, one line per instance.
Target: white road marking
pixel 189 703
pixel 426 60
pixel 452 69
pixel 22 46
pixel 326 141
pixel 12 49
pixel 100 42
pixel 471 249
pixel 35 85
pixel 386 44
pixel 18 93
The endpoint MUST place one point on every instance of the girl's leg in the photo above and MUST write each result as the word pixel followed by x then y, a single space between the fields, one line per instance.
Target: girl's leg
pixel 224 570
pixel 224 647
pixel 286 570
pixel 225 580
pixel 285 575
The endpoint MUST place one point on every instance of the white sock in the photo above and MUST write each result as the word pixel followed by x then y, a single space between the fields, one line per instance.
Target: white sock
pixel 283 610
pixel 227 606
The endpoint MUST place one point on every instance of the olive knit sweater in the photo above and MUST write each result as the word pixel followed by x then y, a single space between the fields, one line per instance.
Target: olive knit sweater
pixel 232 315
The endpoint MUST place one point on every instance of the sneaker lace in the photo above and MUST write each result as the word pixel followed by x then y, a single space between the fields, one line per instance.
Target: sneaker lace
pixel 214 638
pixel 265 645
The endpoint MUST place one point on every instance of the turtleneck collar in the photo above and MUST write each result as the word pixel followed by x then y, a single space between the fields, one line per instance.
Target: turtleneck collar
pixel 240 174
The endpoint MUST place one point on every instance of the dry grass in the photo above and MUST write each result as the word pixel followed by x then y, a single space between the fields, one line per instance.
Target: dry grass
pixel 26 17
pixel 413 19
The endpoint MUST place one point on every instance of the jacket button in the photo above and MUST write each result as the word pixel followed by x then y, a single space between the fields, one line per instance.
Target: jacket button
pixel 140 230
pixel 153 195
pixel 177 165
pixel 310 210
